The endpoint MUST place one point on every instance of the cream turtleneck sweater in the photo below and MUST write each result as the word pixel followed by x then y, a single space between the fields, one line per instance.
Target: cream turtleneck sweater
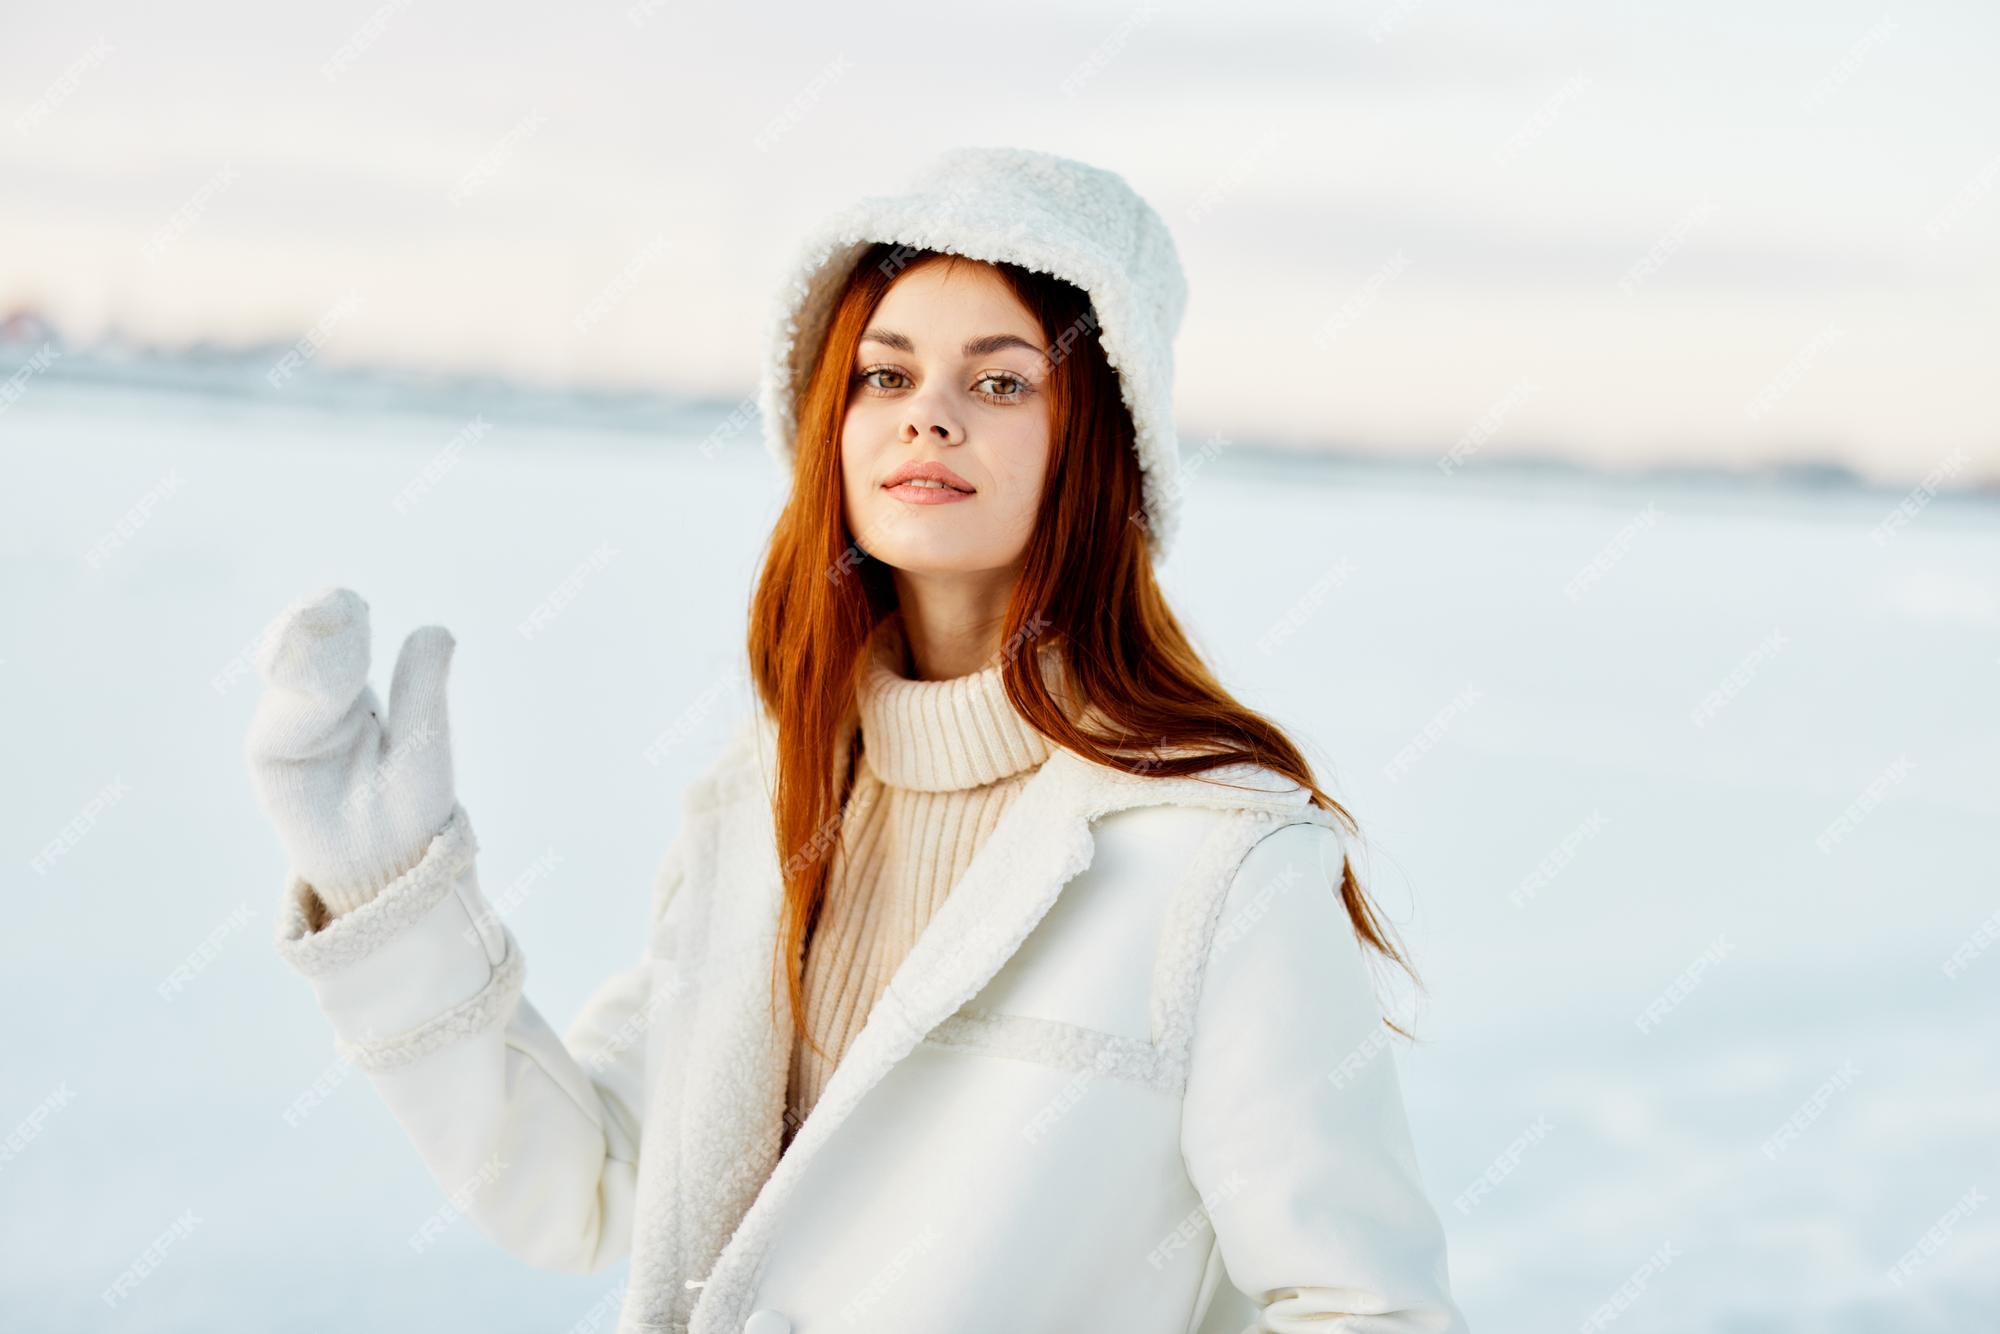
pixel 940 763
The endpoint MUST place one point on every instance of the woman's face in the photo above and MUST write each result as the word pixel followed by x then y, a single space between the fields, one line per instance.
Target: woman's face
pixel 949 371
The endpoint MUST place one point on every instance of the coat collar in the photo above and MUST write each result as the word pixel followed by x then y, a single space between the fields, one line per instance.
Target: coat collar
pixel 1040 843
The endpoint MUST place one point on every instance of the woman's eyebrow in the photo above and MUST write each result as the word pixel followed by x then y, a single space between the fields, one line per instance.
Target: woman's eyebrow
pixel 977 347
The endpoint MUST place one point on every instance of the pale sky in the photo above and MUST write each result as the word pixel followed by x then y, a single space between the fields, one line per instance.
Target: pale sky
pixel 1618 233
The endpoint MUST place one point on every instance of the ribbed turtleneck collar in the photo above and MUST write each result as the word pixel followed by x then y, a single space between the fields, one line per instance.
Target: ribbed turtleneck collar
pixel 940 736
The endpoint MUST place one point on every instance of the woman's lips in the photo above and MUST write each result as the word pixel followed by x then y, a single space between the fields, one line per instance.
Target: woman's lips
pixel 927 495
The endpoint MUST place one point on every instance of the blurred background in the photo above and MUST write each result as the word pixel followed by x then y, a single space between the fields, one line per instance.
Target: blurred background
pixel 1608 391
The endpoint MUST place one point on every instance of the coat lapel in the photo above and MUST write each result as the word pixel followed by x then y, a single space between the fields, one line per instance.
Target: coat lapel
pixel 1040 843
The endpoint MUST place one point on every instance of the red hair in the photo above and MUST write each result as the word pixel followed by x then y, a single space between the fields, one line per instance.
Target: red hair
pixel 1087 581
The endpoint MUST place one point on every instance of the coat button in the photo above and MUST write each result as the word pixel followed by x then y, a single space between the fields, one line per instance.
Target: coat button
pixel 767 1321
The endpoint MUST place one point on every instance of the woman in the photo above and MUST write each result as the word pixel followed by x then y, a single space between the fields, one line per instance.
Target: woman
pixel 1006 973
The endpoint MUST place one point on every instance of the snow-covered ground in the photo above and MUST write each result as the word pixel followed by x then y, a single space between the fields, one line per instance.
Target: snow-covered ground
pixel 1651 941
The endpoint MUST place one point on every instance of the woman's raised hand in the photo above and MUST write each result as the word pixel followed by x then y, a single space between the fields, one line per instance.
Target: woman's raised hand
pixel 356 793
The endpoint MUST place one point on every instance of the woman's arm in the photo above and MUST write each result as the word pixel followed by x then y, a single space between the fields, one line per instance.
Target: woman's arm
pixel 1293 1128
pixel 533 1137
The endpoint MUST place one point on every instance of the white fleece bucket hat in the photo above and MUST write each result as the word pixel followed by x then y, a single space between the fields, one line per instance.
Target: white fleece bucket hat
pixel 1043 212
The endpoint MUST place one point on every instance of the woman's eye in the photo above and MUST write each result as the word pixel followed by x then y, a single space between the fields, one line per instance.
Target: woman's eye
pixel 1011 386
pixel 868 378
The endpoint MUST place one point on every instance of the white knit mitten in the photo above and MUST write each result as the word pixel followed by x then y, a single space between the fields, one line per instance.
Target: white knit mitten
pixel 355 792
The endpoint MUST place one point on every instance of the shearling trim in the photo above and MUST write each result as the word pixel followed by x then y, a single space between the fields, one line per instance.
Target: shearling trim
pixel 355 935
pixel 729 1058
pixel 632 1324
pixel 1188 933
pixel 1185 934
pixel 490 1005
pixel 1024 1037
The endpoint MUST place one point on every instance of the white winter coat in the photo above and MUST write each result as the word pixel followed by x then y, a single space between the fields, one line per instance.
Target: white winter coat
pixel 1131 1078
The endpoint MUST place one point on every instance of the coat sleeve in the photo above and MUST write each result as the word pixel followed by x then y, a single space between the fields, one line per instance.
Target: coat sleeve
pixel 1293 1128
pixel 533 1136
